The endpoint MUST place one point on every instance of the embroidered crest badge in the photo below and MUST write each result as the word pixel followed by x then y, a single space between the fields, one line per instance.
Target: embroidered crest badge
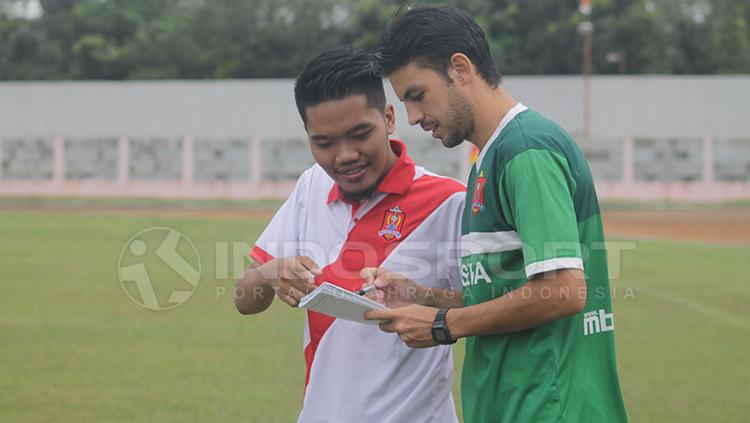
pixel 392 223
pixel 477 199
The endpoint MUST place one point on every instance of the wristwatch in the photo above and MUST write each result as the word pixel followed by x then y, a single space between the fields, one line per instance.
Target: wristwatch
pixel 440 332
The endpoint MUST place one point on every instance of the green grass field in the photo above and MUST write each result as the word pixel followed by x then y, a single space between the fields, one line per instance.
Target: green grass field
pixel 76 348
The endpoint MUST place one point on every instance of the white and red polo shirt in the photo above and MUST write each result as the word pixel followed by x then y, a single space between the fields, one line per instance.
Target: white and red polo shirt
pixel 355 372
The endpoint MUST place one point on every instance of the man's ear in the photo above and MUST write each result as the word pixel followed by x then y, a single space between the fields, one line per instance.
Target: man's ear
pixel 390 119
pixel 460 69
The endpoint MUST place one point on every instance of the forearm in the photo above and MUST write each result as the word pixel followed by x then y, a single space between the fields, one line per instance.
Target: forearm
pixel 538 302
pixel 440 298
pixel 252 293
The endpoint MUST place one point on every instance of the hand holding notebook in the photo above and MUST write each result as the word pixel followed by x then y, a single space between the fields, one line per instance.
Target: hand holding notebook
pixel 338 302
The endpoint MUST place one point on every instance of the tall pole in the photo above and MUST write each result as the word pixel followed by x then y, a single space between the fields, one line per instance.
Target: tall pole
pixel 587 83
pixel 586 28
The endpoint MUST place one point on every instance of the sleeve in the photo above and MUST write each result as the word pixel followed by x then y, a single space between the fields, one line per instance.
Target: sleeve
pixel 536 195
pixel 281 237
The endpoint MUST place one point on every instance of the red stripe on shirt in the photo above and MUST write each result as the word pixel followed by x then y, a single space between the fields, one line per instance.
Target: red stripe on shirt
pixel 364 247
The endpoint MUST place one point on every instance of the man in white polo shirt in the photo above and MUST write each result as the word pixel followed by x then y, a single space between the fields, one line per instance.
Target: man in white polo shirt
pixel 364 204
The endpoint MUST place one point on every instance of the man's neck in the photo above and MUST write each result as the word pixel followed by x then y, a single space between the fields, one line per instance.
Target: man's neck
pixel 360 197
pixel 490 107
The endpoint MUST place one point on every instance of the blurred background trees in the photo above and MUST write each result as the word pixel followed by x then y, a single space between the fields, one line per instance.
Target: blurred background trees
pixel 197 39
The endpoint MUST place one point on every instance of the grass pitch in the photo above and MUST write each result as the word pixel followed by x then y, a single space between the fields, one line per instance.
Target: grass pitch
pixel 76 348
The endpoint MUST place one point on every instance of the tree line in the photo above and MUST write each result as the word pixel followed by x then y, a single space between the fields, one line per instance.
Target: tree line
pixel 207 39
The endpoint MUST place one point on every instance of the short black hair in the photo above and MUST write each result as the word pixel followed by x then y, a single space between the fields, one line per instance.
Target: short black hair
pixel 337 74
pixel 430 35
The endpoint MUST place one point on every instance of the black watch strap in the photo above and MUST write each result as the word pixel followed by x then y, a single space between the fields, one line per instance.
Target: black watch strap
pixel 440 332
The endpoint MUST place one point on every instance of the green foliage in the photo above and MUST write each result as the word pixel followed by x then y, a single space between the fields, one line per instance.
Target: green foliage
pixel 183 39
pixel 367 20
pixel 731 38
pixel 631 32
pixel 532 37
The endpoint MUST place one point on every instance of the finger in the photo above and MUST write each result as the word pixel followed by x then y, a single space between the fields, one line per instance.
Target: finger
pixel 377 315
pixel 295 294
pixel 382 280
pixel 389 327
pixel 310 265
pixel 368 274
pixel 297 271
pixel 411 342
pixel 272 269
pixel 290 296
pixel 294 269
pixel 302 286
pixel 300 283
pixel 308 288
pixel 283 296
pixel 376 296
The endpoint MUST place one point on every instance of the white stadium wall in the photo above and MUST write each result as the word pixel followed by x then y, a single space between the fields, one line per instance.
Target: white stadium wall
pixel 651 138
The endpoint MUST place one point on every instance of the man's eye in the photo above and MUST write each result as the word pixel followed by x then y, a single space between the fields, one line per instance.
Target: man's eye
pixel 322 144
pixel 363 136
pixel 419 97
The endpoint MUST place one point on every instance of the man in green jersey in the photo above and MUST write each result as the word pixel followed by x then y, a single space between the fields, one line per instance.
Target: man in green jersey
pixel 535 308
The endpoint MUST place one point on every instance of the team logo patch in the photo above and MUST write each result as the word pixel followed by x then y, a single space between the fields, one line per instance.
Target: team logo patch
pixel 392 223
pixel 477 199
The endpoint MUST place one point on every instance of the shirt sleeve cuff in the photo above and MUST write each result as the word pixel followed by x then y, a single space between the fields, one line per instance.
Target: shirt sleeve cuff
pixel 553 264
pixel 260 255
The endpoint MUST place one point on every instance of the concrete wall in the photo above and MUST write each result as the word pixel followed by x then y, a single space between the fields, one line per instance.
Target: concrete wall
pixel 651 106
pixel 75 130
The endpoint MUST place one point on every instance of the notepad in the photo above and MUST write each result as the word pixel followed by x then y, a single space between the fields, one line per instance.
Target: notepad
pixel 338 302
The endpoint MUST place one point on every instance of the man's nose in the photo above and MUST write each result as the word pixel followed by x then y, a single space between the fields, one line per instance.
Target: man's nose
pixel 414 114
pixel 346 154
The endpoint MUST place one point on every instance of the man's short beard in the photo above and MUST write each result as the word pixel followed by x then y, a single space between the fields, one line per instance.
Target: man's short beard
pixel 461 121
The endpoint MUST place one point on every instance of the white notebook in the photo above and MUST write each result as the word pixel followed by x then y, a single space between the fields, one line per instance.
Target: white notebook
pixel 340 303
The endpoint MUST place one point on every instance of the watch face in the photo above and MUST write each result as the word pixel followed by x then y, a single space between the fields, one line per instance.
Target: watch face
pixel 439 335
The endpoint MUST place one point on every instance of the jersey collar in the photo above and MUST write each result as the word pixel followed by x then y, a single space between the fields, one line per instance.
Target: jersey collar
pixel 397 181
pixel 518 108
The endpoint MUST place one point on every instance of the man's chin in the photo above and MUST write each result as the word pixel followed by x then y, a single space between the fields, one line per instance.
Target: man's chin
pixel 356 191
pixel 451 142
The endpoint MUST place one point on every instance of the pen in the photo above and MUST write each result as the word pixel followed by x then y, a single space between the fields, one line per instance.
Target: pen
pixel 366 290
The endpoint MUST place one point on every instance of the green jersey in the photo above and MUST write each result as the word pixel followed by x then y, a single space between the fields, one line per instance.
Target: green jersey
pixel 531 208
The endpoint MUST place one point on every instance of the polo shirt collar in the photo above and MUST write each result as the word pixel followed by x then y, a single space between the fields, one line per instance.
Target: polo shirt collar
pixel 518 108
pixel 397 181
